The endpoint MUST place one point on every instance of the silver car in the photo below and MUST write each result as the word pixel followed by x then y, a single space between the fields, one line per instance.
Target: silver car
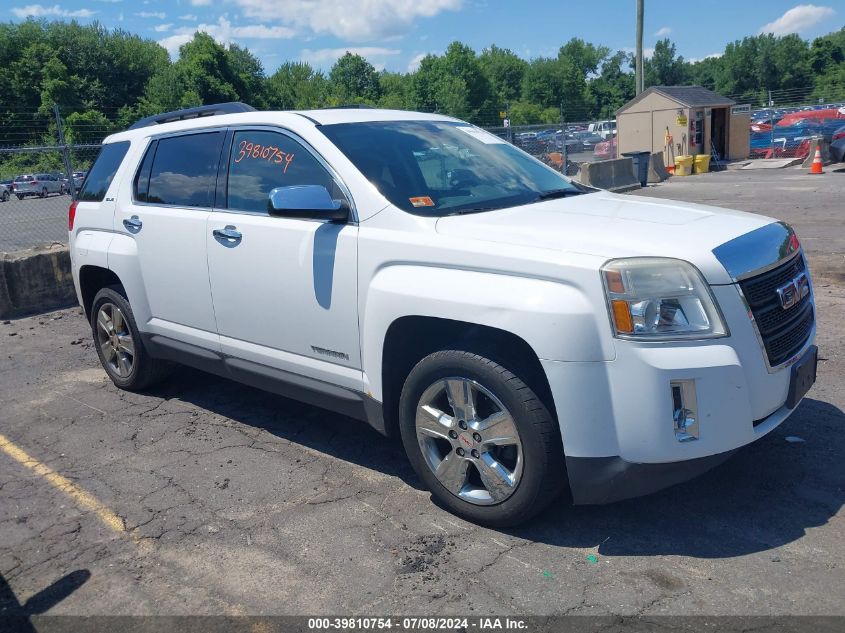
pixel 40 185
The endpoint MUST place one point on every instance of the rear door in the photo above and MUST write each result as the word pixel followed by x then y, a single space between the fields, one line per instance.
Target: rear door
pixel 173 193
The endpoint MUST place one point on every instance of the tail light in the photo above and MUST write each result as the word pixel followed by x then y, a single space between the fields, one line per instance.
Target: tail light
pixel 33 182
pixel 838 136
pixel 71 215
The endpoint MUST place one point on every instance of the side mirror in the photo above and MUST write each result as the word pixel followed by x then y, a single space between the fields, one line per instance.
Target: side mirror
pixel 307 201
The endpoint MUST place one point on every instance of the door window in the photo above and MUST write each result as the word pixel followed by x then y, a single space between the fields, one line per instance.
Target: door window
pixel 260 161
pixel 184 170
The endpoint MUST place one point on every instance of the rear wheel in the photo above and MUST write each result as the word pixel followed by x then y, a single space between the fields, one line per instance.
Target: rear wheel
pixel 119 344
pixel 20 197
pixel 480 438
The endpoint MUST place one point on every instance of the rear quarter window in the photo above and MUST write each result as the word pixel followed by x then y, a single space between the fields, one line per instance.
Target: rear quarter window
pixel 102 172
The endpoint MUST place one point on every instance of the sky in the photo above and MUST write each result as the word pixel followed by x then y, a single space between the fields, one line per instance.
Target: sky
pixel 396 34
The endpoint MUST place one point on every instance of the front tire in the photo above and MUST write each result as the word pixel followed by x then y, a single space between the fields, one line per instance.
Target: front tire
pixel 119 345
pixel 5 196
pixel 20 197
pixel 481 440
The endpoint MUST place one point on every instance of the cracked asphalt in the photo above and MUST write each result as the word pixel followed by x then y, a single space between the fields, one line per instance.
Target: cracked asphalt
pixel 233 501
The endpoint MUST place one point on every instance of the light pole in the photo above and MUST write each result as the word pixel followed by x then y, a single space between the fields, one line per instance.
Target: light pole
pixel 639 61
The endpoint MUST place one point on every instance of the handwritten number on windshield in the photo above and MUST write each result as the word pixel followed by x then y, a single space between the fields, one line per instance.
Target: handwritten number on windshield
pixel 256 151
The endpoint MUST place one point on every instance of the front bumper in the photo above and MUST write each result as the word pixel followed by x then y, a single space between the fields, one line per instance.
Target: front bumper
pixel 616 416
pixel 595 480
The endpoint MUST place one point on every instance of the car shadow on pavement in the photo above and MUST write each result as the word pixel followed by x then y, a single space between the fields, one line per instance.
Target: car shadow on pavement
pixel 15 616
pixel 337 435
pixel 766 495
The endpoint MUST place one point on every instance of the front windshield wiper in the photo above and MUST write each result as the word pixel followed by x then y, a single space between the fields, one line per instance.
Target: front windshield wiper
pixel 558 193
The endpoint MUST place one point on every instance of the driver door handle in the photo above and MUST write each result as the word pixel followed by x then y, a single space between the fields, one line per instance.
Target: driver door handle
pixel 230 234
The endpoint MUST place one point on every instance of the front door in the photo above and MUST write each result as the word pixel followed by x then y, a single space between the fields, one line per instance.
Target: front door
pixel 167 215
pixel 284 289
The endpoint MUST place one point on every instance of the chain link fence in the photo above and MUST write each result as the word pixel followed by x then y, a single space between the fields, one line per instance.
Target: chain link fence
pixel 41 169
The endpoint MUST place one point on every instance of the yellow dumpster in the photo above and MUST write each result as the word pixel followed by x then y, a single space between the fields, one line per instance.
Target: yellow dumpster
pixel 683 165
pixel 702 163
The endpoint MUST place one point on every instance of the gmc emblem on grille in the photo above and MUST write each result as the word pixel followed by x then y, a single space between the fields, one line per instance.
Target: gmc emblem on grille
pixel 791 293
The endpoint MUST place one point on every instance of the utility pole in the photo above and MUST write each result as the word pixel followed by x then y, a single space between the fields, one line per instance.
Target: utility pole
pixel 639 61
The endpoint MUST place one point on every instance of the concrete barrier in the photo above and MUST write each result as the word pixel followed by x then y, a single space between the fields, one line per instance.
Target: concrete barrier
pixel 35 280
pixel 656 169
pixel 616 175
pixel 824 146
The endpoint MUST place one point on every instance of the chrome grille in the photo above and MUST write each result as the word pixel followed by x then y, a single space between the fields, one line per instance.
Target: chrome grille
pixel 783 332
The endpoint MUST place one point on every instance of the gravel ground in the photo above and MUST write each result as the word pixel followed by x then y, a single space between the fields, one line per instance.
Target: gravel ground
pixel 208 497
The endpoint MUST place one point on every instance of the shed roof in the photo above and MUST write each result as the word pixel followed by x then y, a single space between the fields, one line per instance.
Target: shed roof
pixel 689 96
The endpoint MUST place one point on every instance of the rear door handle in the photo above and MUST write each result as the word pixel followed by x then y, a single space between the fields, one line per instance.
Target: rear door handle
pixel 229 235
pixel 133 224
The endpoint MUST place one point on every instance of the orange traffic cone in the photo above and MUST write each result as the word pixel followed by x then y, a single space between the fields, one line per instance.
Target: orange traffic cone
pixel 816 167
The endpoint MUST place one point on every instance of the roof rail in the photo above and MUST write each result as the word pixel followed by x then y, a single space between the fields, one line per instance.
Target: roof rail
pixel 192 113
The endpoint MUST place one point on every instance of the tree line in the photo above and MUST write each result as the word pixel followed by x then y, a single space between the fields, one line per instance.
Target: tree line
pixel 105 79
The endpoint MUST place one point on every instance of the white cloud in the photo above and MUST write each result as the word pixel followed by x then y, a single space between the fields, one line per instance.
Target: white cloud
pixel 39 11
pixel 173 42
pixel 200 3
pixel 161 28
pixel 647 52
pixel 189 17
pixel 692 60
pixel 225 33
pixel 152 14
pixel 798 19
pixel 663 31
pixel 325 57
pixel 414 64
pixel 354 21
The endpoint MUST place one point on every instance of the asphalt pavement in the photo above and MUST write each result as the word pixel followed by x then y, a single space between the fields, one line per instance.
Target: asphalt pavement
pixel 207 497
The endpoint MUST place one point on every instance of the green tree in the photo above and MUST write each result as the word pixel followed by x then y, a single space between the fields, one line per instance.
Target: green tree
pixel 296 86
pixel 613 88
pixel 354 80
pixel 665 67
pixel 557 83
pixel 504 71
pixel 587 58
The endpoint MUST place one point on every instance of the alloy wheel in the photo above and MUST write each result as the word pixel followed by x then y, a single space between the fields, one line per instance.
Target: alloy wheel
pixel 469 440
pixel 115 340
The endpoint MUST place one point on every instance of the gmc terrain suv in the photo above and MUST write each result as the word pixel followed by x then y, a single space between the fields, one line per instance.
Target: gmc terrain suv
pixel 521 333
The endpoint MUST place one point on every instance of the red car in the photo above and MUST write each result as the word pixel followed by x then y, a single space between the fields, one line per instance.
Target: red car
pixel 605 149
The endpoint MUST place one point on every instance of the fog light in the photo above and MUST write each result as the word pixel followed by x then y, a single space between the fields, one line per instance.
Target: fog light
pixel 684 410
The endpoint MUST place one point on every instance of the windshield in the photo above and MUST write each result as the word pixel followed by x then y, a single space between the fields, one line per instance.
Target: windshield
pixel 444 167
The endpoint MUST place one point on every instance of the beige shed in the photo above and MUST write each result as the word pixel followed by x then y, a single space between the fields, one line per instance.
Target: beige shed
pixel 695 117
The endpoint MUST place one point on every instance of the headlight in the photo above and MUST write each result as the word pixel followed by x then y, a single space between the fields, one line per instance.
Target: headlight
pixel 660 299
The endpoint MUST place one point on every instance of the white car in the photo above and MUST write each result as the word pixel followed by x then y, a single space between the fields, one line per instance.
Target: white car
pixel 522 334
pixel 605 129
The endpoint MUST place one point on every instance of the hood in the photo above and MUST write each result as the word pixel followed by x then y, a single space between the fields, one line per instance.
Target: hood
pixel 610 225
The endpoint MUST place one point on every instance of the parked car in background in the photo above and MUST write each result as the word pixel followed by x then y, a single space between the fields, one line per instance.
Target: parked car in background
pixel 78 179
pixel 41 185
pixel 837 145
pixel 588 140
pixel 605 129
pixel 605 149
pixel 5 192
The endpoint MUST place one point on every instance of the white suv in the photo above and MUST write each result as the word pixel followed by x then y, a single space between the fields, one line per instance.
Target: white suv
pixel 521 333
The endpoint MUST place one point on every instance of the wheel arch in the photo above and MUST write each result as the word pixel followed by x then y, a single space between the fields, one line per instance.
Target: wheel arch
pixel 411 338
pixel 92 279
